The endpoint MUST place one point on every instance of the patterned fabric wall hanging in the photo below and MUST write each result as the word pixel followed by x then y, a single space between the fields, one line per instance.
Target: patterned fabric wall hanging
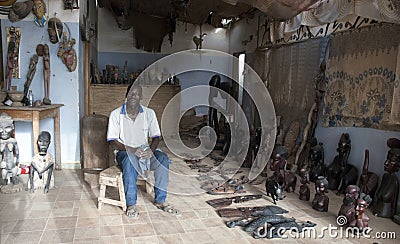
pixel 363 85
pixel 327 17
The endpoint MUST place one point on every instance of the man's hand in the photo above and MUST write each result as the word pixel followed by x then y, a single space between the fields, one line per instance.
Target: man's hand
pixel 142 153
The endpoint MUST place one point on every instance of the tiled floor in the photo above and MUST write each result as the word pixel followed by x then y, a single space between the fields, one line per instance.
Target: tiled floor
pixel 69 214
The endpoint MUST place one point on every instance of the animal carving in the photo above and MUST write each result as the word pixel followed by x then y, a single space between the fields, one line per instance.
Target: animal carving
pixel 274 190
pixel 198 40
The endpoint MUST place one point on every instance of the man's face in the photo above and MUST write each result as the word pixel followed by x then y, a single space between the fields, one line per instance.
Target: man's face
pixel 134 97
pixel 43 144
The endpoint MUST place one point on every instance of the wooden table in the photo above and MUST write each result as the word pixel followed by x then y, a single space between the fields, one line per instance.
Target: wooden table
pixel 34 115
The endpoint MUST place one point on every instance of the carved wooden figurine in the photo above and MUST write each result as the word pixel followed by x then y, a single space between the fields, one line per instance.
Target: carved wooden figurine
pixel 368 180
pixel 42 162
pixel 348 208
pixel 388 192
pixel 9 151
pixel 304 188
pixel 321 201
pixel 317 167
pixel 340 173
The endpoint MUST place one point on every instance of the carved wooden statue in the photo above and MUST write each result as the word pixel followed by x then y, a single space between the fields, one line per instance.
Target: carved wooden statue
pixel 46 74
pixel 321 201
pixel 368 180
pixel 317 162
pixel 361 219
pixel 340 173
pixel 348 208
pixel 386 197
pixel 9 151
pixel 304 193
pixel 42 162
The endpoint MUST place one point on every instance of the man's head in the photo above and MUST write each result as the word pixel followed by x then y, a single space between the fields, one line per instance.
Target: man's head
pixel 134 95
pixel 43 142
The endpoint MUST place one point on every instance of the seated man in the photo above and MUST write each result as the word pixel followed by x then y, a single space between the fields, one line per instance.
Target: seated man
pixel 129 129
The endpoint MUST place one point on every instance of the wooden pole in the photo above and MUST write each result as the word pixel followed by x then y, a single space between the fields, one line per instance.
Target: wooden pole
pixel 87 77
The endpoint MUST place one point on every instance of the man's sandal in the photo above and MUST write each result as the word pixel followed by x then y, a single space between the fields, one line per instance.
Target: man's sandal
pixel 168 208
pixel 132 212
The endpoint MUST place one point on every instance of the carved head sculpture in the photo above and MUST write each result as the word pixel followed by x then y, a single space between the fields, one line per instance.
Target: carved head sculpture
pixel 392 163
pixel 362 204
pixel 317 154
pixel 43 142
pixel 344 144
pixel 280 155
pixel 320 187
pixel 55 29
pixel 352 194
pixel 6 126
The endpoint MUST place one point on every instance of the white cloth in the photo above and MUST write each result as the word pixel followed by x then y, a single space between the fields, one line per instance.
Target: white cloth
pixel 133 133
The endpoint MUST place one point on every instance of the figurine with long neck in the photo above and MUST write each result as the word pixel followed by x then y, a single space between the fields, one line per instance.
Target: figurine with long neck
pixel 368 180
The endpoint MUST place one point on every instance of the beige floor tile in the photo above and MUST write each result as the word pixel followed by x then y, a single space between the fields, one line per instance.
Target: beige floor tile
pixel 43 206
pixel 61 223
pixel 213 222
pixel 112 230
pixel 24 237
pixel 145 240
pixel 29 225
pixel 58 236
pixel 206 213
pixel 196 237
pixel 159 216
pixel 170 227
pixel 88 222
pixel 110 220
pixel 143 219
pixel 88 212
pixel 192 225
pixel 169 239
pixel 39 214
pixel 188 215
pixel 61 212
pixel 7 227
pixel 112 239
pixel 87 233
pixel 3 238
pixel 139 230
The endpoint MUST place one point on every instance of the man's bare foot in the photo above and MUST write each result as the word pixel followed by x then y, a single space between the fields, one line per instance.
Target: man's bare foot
pixel 132 212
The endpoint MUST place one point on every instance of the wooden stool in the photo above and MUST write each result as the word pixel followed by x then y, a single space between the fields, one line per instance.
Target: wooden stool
pixel 111 177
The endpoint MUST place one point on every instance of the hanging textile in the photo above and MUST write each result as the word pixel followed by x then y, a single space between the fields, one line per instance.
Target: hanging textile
pixel 363 88
pixel 291 80
pixel 326 17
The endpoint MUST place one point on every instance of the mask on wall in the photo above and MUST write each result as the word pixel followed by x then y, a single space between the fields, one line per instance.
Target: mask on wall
pixel 55 29
pixel 39 9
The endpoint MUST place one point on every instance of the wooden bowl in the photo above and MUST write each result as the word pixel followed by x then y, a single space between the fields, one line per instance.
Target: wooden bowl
pixel 16 96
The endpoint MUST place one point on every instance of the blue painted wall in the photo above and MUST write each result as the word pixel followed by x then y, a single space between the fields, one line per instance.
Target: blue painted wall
pixel 64 88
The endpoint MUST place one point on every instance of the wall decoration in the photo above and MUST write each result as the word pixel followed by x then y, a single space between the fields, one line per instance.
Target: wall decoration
pixel 363 88
pixel 39 9
pixel 71 4
pixel 20 10
pixel 67 52
pixel 12 66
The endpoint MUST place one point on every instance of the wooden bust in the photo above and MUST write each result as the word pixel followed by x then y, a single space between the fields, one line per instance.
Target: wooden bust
pixel 385 200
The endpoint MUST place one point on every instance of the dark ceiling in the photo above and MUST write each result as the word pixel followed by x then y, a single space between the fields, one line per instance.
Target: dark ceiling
pixel 200 11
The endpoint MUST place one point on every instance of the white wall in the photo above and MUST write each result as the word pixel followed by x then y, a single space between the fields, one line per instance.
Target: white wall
pixel 241 31
pixel 64 85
